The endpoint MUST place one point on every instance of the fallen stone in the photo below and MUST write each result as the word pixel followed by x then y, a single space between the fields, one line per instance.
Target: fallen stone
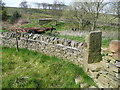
pixel 117 64
pixel 83 85
pixel 117 76
pixel 95 67
pixel 78 79
pixel 113 68
pixel 103 79
pixel 116 56
pixel 92 87
pixel 93 74
pixel 114 46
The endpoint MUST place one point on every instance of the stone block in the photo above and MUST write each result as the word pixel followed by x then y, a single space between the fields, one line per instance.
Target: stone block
pixel 111 77
pixel 76 44
pixel 113 68
pixel 117 75
pixel 91 88
pixel 114 46
pixel 114 84
pixel 116 56
pixel 93 74
pixel 103 79
pixel 117 64
pixel 95 67
pixel 104 64
pixel 83 85
pixel 73 44
pixel 78 79
pixel 101 85
pixel 94 47
pixel 104 72
pixel 61 40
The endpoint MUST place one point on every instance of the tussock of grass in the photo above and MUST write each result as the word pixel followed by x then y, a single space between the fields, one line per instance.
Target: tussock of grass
pixel 29 69
pixel 105 42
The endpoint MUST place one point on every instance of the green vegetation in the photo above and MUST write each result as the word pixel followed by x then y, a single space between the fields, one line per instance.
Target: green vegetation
pixel 76 38
pixel 60 25
pixel 30 25
pixel 34 14
pixel 4 31
pixel 14 18
pixel 107 28
pixel 29 69
pixel 105 41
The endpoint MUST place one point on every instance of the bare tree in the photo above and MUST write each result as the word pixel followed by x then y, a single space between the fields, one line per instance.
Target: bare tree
pixel 44 5
pixel 2 4
pixel 50 6
pixel 77 15
pixel 55 4
pixel 23 4
pixel 38 5
pixel 115 9
pixel 87 12
pixel 95 8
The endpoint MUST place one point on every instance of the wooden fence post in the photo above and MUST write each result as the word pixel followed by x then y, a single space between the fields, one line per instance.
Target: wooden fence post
pixel 17 47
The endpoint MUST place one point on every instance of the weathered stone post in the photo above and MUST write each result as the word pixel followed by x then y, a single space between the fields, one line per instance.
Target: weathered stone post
pixel 94 47
pixel 92 54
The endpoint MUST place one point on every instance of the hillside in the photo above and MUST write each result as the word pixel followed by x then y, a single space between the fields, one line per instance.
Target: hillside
pixel 29 69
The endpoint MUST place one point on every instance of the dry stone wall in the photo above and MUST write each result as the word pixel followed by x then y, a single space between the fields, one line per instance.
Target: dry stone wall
pixel 60 47
pixel 105 71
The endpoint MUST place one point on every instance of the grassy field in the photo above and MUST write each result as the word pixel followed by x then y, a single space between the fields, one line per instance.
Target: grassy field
pixel 29 69
pixel 105 41
pixel 76 38
pixel 34 14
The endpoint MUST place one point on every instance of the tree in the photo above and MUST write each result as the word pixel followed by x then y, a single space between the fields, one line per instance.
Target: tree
pixel 115 9
pixel 15 17
pixel 94 8
pixel 77 15
pixel 85 13
pixel 23 4
pixel 2 4
pixel 4 11
pixel 50 6
pixel 4 15
pixel 38 5
pixel 44 5
pixel 56 12
pixel 111 12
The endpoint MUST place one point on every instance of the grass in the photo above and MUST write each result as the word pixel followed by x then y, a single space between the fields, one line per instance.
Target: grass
pixel 60 25
pixel 4 31
pixel 29 69
pixel 76 38
pixel 105 41
pixel 107 28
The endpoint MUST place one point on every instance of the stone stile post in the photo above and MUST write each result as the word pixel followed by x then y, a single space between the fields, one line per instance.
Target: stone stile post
pixel 92 53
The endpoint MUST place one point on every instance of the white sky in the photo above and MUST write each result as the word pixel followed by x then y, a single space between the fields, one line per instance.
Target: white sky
pixel 15 3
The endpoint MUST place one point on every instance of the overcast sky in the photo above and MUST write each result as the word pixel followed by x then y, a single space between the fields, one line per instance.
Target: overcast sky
pixel 15 3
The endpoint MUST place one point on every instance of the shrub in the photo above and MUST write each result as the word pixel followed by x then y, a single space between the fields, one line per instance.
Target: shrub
pixel 15 17
pixel 4 15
